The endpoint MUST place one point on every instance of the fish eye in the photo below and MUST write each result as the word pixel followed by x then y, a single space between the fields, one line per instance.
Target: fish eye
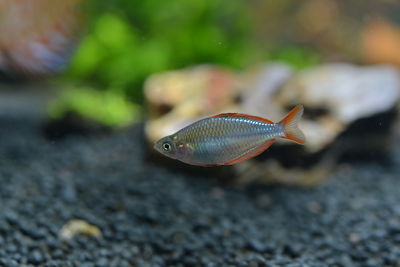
pixel 166 146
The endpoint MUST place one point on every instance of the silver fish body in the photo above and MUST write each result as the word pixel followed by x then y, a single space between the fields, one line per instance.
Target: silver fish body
pixel 218 140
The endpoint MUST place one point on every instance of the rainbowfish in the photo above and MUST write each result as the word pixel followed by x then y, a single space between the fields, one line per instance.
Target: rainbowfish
pixel 37 38
pixel 229 138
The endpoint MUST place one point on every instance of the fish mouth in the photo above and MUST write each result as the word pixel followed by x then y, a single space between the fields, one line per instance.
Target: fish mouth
pixel 155 146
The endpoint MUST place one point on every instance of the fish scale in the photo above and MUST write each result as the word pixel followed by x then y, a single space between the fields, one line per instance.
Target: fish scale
pixel 227 138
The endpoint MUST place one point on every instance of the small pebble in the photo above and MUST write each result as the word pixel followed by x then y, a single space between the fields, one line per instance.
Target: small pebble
pixel 75 227
pixel 314 207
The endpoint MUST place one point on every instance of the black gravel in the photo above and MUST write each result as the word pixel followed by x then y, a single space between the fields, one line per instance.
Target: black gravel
pixel 151 215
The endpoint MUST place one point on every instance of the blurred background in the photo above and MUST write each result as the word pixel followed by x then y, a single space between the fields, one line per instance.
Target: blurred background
pixel 111 48
pixel 126 43
pixel 86 87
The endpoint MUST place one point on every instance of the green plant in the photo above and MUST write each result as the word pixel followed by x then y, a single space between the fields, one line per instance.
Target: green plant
pixel 106 107
pixel 127 42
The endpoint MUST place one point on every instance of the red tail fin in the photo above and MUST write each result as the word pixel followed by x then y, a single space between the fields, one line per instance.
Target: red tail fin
pixel 290 127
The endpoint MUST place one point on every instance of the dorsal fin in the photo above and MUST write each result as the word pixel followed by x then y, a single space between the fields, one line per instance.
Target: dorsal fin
pixel 241 115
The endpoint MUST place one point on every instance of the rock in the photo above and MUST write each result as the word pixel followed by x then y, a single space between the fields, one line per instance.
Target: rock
pixel 35 258
pixel 354 238
pixel 345 93
pixel 259 85
pixel 314 207
pixel 339 100
pixel 177 98
pixel 78 227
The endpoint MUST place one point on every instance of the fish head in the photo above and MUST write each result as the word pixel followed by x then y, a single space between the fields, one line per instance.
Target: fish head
pixel 172 147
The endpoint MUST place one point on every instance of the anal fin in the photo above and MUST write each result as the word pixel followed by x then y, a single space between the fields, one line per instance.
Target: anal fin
pixel 252 153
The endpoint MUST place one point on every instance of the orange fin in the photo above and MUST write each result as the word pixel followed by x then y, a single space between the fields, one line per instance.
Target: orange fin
pixel 240 115
pixel 252 153
pixel 290 127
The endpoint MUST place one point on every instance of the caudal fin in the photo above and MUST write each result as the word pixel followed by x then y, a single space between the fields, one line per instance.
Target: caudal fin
pixel 290 127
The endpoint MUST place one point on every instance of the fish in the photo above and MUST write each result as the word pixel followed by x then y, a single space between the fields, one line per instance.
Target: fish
pixel 38 38
pixel 229 138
